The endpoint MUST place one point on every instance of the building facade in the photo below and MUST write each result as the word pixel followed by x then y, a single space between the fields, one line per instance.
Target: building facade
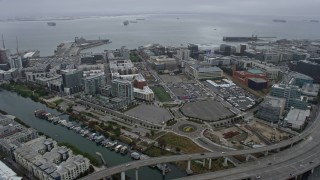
pixel 271 109
pixel 292 94
pixel 47 161
pixel 122 89
pixel 93 84
pixel 72 80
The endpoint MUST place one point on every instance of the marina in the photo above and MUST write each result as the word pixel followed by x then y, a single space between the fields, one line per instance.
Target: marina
pixel 24 108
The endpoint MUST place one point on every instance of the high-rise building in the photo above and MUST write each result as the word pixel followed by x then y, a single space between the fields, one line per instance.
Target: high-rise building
pixel 93 84
pixel 194 50
pixel 4 56
pixel 16 62
pixel 72 80
pixel 183 54
pixel 122 89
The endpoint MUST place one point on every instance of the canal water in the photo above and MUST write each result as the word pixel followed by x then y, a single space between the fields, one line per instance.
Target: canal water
pixel 23 108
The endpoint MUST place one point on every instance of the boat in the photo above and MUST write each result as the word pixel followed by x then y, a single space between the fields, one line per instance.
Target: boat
pixel 279 20
pixel 314 21
pixel 117 148
pixel 126 22
pixel 111 144
pixel 135 156
pixel 124 150
pixel 51 23
pixel 163 167
pixel 140 19
pixel 85 133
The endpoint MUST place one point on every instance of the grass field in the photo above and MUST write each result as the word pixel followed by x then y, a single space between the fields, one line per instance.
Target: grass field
pixel 183 143
pixel 161 94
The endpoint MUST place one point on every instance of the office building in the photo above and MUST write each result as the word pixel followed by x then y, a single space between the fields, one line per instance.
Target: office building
pixel 122 89
pixel 216 60
pixel 94 83
pixel 244 76
pixel 300 79
pixel 271 109
pixel 296 118
pixel 257 83
pixel 203 72
pixel 163 63
pixel 72 80
pixel 194 50
pixel 292 94
pixel 310 89
pixel 309 68
pixel 183 54
pixel 271 71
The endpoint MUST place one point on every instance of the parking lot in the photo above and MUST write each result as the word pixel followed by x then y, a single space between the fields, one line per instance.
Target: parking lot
pixel 236 96
pixel 208 110
pixel 150 113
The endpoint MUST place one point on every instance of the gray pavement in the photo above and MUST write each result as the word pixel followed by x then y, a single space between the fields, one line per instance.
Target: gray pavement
pixel 150 113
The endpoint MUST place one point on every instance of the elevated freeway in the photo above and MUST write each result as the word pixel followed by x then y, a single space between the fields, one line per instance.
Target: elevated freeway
pixel 295 156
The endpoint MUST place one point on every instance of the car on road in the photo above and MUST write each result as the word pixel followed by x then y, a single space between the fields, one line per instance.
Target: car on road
pixel 258 177
pixel 128 165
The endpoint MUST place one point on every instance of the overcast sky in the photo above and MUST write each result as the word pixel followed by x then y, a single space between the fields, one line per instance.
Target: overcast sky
pixel 37 8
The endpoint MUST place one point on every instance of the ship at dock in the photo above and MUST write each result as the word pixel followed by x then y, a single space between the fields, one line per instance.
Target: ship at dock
pixel 279 20
pixel 51 23
pixel 126 22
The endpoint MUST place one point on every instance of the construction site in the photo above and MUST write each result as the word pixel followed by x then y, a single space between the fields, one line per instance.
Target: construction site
pixel 247 135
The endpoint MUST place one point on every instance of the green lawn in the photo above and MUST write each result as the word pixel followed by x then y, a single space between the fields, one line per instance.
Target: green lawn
pixel 183 143
pixel 161 94
pixel 58 101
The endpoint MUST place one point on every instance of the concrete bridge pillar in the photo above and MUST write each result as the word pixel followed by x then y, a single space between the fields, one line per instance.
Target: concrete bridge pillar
pixel 210 161
pixel 312 170
pixel 204 163
pixel 250 156
pixel 163 171
pixel 189 165
pixel 225 163
pixel 266 153
pixel 291 145
pixel 123 175
pixel 137 175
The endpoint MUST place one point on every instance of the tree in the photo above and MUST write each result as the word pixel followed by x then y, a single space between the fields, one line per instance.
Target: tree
pixel 117 131
pixel 162 143
pixel 178 149
pixel 152 133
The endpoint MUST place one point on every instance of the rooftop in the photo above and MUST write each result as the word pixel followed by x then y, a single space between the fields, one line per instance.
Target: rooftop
pixel 7 173
pixel 301 76
pixel 273 101
pixel 208 69
pixel 255 71
pixel 297 116
pixel 258 80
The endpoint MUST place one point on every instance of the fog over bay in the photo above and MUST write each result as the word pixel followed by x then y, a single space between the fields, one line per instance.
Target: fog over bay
pixel 45 8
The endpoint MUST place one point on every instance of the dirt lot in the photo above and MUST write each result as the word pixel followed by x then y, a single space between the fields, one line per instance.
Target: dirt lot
pixel 267 131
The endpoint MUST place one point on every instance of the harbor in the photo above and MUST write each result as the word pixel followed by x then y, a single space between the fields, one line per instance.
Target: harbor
pixel 74 48
pixel 100 140
pixel 24 109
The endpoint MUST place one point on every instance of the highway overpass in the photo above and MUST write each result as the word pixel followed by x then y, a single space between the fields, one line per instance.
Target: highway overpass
pixel 295 156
